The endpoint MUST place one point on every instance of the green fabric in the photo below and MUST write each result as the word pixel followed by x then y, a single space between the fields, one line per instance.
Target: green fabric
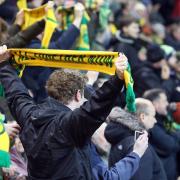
pixel 104 13
pixel 130 99
pixel 176 126
pixel 82 42
pixel 1 90
pixel 168 49
pixel 4 159
pixel 130 96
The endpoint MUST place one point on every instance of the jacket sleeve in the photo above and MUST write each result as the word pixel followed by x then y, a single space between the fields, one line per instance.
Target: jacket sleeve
pixel 67 39
pixel 124 169
pixel 22 38
pixel 160 138
pixel 81 123
pixel 20 102
pixel 13 30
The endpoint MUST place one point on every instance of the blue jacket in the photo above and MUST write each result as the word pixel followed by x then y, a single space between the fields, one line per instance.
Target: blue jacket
pixel 122 170
pixel 59 40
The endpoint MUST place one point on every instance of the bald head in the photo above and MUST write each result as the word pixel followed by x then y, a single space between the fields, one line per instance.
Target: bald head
pixel 143 105
pixel 145 112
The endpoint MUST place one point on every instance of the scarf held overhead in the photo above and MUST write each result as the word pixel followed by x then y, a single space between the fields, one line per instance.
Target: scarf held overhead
pixel 68 18
pixel 83 60
pixel 33 15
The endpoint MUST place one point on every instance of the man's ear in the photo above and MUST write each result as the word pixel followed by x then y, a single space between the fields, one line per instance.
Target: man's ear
pixel 78 96
pixel 141 117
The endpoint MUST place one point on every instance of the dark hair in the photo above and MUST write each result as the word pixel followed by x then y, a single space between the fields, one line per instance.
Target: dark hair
pixel 153 94
pixel 125 21
pixel 63 84
pixel 155 53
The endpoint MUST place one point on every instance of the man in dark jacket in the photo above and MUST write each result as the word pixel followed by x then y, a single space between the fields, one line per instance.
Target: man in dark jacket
pixel 55 133
pixel 155 73
pixel 125 168
pixel 165 141
pixel 127 40
pixel 120 133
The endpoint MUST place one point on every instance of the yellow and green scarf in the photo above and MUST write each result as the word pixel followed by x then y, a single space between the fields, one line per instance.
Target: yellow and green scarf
pixel 34 15
pixel 104 11
pixel 4 144
pixel 68 17
pixel 83 60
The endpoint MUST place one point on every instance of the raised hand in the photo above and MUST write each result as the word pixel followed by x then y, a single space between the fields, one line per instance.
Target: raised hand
pixel 4 54
pixel 141 144
pixel 121 65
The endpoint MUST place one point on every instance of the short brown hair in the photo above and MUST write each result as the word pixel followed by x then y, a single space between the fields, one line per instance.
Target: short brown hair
pixel 63 84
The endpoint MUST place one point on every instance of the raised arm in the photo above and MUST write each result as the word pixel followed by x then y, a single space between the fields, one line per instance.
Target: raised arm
pixel 18 98
pixel 82 122
pixel 125 168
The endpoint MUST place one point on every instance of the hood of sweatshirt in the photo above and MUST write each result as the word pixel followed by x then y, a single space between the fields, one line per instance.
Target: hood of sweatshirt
pixel 121 124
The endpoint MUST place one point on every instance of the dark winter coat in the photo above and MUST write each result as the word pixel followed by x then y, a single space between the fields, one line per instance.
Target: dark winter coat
pixel 146 77
pixel 169 40
pixel 167 145
pixel 121 136
pixel 53 136
pixel 20 39
pixel 130 47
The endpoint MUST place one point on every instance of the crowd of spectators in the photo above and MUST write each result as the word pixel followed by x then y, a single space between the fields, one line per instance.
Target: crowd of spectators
pixel 95 140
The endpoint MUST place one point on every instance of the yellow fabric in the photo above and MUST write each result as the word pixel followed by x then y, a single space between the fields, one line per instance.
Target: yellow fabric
pixel 83 60
pixel 51 24
pixel 4 142
pixel 4 138
pixel 33 15
pixel 127 78
pixel 37 14
pixel 113 29
pixel 21 4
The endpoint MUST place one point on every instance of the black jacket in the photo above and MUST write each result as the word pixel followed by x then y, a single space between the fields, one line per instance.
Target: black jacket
pixel 19 39
pixel 53 136
pixel 121 136
pixel 146 77
pixel 130 47
pixel 167 145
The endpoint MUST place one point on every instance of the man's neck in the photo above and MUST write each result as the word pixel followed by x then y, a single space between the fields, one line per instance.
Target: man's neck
pixel 72 105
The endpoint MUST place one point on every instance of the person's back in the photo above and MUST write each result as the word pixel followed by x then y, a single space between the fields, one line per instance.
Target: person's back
pixel 47 145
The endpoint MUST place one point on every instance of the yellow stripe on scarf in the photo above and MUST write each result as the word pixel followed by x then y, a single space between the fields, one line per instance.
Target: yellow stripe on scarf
pixel 36 14
pixel 22 4
pixel 83 60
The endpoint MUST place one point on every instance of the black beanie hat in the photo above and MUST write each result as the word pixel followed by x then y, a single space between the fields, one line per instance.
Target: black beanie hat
pixel 155 53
